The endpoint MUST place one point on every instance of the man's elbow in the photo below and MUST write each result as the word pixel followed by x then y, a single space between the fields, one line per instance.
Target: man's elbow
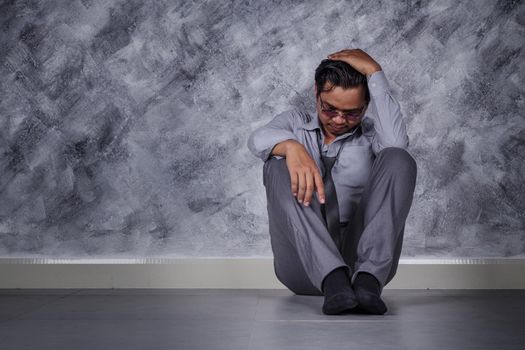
pixel 403 143
pixel 252 144
pixel 256 148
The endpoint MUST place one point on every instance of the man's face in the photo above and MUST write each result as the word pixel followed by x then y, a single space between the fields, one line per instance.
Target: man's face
pixel 342 101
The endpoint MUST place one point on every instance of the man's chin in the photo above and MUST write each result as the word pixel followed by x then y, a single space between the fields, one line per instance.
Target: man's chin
pixel 340 130
pixel 343 129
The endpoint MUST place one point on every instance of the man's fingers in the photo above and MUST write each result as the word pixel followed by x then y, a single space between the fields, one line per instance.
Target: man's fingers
pixel 309 188
pixel 301 186
pixel 320 187
pixel 335 53
pixel 294 181
pixel 344 51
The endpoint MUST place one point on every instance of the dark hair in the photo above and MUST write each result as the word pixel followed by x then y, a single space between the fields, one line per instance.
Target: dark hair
pixel 339 73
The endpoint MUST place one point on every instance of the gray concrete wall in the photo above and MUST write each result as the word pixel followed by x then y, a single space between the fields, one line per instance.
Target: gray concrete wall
pixel 124 123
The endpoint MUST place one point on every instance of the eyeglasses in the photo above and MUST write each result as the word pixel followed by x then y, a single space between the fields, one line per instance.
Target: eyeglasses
pixel 332 113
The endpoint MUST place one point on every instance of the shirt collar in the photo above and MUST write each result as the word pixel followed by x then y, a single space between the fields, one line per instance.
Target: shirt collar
pixel 312 124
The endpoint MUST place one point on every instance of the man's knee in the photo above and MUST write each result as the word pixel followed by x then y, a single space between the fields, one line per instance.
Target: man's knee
pixel 273 164
pixel 398 158
pixel 275 172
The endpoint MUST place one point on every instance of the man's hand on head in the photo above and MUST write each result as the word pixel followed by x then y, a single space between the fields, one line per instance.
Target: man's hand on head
pixel 357 58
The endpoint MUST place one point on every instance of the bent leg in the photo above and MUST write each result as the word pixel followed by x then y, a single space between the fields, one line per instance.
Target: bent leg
pixel 304 252
pixel 373 239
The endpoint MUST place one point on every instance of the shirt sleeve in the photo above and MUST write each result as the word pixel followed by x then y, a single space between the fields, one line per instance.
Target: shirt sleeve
pixel 390 128
pixel 262 140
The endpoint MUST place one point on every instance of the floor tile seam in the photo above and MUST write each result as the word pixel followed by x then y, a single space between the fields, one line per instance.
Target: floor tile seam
pixel 327 321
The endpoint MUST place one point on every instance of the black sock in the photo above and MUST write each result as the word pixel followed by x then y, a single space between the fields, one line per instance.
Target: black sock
pixel 368 292
pixel 367 281
pixel 336 282
pixel 338 293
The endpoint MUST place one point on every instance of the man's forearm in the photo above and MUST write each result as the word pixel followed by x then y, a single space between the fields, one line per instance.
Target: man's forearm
pixel 281 148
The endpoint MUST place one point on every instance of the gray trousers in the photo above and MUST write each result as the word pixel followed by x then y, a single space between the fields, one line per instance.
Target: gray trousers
pixel 304 252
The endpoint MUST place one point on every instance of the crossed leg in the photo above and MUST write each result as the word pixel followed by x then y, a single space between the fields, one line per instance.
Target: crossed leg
pixel 304 252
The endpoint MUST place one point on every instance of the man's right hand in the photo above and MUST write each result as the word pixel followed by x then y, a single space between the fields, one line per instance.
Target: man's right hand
pixel 304 173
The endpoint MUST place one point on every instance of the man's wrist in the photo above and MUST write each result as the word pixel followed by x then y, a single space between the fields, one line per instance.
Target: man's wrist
pixel 290 144
pixel 372 70
pixel 283 147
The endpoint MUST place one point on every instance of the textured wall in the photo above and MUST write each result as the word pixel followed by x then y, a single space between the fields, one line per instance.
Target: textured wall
pixel 124 124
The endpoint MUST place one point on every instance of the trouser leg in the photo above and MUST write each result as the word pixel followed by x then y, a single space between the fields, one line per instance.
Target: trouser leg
pixel 304 252
pixel 373 239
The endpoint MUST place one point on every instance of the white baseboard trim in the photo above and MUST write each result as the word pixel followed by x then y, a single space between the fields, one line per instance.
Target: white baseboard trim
pixel 241 273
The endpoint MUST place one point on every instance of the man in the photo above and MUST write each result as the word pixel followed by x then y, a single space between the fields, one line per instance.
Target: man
pixel 339 186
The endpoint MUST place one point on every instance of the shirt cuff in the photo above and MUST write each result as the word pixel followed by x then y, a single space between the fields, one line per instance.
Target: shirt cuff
pixel 377 83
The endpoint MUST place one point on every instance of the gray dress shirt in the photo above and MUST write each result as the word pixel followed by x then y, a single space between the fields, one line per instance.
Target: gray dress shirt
pixel 382 126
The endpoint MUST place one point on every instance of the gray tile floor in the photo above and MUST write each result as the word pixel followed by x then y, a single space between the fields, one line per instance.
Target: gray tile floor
pixel 256 319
